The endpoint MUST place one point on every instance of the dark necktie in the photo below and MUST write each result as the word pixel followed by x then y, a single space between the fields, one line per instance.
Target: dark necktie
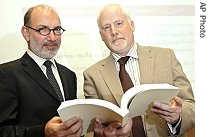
pixel 123 74
pixel 126 82
pixel 52 79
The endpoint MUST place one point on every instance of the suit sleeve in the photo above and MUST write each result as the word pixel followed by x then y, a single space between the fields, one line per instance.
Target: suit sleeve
pixel 89 86
pixel 186 94
pixel 9 112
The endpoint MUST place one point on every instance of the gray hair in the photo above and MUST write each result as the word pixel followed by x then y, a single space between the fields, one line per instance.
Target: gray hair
pixel 123 8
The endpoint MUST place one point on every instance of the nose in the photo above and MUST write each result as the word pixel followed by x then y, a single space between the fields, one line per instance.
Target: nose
pixel 51 36
pixel 114 31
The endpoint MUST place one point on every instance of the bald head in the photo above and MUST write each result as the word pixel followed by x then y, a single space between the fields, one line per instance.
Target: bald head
pixel 39 11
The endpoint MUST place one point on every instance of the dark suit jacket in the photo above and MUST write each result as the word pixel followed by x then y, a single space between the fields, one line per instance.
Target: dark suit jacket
pixel 157 65
pixel 28 101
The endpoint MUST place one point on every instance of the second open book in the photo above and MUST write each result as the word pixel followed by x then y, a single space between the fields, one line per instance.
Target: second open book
pixel 136 101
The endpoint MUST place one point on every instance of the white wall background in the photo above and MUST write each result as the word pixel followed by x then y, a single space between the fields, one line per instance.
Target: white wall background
pixel 164 23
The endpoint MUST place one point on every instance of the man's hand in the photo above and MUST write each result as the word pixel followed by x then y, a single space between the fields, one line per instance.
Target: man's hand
pixel 70 128
pixel 114 129
pixel 171 113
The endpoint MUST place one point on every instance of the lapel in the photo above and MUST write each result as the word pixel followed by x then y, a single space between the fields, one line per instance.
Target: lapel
pixel 64 81
pixel 34 71
pixel 112 80
pixel 146 64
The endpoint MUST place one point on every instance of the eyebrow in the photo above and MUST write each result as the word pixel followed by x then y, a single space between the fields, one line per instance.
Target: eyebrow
pixel 44 26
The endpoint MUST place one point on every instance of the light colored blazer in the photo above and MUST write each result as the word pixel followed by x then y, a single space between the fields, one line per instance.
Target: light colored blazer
pixel 157 65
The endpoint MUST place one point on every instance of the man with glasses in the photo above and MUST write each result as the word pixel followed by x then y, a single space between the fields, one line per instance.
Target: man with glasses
pixel 29 100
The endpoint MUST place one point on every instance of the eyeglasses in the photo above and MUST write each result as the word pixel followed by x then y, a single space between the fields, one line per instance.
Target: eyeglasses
pixel 46 31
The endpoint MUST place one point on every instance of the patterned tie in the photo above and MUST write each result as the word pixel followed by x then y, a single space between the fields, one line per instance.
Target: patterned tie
pixel 126 82
pixel 52 79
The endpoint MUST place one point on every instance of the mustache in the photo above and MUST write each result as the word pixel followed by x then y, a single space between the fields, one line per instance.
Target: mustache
pixel 48 43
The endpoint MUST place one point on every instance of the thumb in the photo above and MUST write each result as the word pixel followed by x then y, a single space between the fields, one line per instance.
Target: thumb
pixel 176 101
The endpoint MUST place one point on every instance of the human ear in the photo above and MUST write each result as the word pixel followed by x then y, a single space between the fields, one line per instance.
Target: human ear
pixel 25 33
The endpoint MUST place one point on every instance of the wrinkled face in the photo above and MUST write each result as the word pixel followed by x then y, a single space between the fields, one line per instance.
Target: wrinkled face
pixel 116 30
pixel 43 46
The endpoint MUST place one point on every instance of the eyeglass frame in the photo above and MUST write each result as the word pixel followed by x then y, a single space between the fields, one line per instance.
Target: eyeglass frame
pixel 40 29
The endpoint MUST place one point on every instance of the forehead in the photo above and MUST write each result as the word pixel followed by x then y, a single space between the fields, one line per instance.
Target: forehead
pixel 111 14
pixel 44 16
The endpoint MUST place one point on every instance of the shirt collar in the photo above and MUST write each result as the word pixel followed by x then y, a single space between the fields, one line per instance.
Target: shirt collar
pixel 132 53
pixel 38 60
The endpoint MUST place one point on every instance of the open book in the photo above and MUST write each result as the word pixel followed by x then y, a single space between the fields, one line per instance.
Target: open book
pixel 136 101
